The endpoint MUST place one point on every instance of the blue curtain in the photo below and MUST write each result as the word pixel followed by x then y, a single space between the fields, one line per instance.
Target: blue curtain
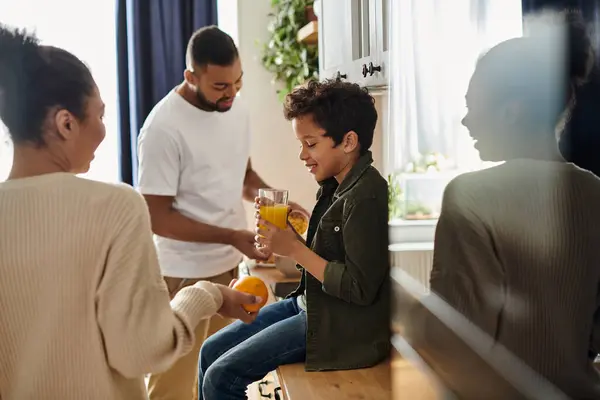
pixel 152 37
pixel 580 143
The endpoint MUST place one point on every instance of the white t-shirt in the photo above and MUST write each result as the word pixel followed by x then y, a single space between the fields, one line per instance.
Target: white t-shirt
pixel 200 158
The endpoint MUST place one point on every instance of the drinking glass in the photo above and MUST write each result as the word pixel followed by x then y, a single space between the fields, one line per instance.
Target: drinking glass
pixel 274 206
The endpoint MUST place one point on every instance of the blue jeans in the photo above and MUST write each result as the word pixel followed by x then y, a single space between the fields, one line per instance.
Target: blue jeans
pixel 240 353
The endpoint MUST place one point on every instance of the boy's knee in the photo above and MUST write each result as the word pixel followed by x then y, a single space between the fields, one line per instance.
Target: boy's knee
pixel 217 375
pixel 208 354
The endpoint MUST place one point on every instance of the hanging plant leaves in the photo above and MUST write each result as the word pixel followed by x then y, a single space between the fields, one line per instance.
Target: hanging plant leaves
pixel 291 62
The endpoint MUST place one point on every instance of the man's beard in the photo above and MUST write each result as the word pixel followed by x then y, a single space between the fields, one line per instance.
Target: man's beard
pixel 206 105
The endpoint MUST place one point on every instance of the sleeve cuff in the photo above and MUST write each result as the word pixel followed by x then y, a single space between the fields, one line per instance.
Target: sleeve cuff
pixel 156 191
pixel 333 276
pixel 197 302
pixel 213 290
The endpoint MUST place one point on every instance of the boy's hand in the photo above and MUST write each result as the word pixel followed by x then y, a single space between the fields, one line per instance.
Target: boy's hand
pixel 260 201
pixel 270 238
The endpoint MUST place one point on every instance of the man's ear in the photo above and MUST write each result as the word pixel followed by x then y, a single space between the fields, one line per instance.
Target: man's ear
pixel 189 77
pixel 350 142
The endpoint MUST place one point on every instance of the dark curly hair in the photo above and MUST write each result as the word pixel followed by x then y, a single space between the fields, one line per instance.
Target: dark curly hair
pixel 33 80
pixel 336 106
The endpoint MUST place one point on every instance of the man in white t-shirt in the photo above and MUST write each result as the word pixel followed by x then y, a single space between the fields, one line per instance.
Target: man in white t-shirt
pixel 194 170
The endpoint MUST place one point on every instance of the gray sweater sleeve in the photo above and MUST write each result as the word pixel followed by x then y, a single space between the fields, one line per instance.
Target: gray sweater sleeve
pixel 466 272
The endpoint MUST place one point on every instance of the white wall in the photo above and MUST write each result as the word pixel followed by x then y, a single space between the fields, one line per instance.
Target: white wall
pixel 227 12
pixel 274 146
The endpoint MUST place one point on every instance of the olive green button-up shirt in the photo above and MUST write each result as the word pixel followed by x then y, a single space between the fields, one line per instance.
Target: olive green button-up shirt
pixel 348 315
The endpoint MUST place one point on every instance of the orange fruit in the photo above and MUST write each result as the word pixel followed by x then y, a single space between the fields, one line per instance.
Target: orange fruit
pixel 255 286
pixel 299 221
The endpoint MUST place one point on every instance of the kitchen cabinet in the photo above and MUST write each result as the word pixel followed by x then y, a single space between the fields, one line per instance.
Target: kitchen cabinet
pixel 383 13
pixel 353 40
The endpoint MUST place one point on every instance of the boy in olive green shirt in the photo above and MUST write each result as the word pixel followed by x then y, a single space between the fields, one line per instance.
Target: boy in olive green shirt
pixel 338 318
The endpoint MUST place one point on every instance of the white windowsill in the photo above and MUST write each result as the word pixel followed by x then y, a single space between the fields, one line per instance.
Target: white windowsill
pixel 411 235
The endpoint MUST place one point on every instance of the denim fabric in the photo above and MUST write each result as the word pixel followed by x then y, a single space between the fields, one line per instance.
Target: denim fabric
pixel 241 353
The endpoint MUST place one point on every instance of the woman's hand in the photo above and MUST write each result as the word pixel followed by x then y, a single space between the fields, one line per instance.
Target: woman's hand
pixel 271 239
pixel 233 301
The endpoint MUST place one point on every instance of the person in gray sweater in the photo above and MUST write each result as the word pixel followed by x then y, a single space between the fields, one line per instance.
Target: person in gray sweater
pixel 517 246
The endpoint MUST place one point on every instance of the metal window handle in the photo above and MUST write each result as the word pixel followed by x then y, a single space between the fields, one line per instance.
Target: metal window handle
pixel 373 68
pixel 340 76
pixel 260 390
pixel 365 70
pixel 276 393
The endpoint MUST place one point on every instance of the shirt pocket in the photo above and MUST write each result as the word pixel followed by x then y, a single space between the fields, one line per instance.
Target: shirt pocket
pixel 330 242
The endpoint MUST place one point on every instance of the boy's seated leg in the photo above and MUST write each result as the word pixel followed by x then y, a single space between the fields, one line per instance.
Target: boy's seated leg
pixel 227 377
pixel 225 339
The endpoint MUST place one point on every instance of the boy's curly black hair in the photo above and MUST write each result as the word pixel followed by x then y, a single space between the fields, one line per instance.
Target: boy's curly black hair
pixel 336 106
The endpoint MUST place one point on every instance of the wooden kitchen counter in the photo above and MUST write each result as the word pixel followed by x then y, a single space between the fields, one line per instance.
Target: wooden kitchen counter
pixel 367 383
pixel 398 375
pixel 398 378
pixel 269 275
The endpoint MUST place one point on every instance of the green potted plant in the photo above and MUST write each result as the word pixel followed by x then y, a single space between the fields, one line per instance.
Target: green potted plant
pixel 291 62
pixel 395 200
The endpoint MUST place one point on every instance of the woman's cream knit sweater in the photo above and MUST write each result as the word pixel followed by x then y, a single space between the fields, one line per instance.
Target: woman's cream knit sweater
pixel 84 312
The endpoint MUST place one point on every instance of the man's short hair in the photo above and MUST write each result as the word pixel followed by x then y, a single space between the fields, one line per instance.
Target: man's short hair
pixel 210 45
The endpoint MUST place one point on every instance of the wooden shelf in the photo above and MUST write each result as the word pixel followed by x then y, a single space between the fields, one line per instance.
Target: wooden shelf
pixel 309 33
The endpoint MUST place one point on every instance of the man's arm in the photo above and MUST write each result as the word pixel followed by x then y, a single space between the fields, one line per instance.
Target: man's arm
pixel 170 223
pixel 252 182
pixel 159 170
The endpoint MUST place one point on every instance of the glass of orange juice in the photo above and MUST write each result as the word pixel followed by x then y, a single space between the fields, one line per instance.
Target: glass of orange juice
pixel 274 206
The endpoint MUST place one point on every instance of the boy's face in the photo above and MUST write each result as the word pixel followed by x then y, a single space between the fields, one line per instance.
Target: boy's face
pixel 318 152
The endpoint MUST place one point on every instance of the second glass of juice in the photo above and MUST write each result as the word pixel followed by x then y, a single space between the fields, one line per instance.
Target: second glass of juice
pixel 274 206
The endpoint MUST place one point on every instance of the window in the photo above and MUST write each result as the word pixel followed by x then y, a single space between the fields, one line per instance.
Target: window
pixel 88 30
pixel 434 48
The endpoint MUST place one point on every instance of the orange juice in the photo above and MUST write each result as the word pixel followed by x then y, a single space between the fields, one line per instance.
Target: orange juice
pixel 275 214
